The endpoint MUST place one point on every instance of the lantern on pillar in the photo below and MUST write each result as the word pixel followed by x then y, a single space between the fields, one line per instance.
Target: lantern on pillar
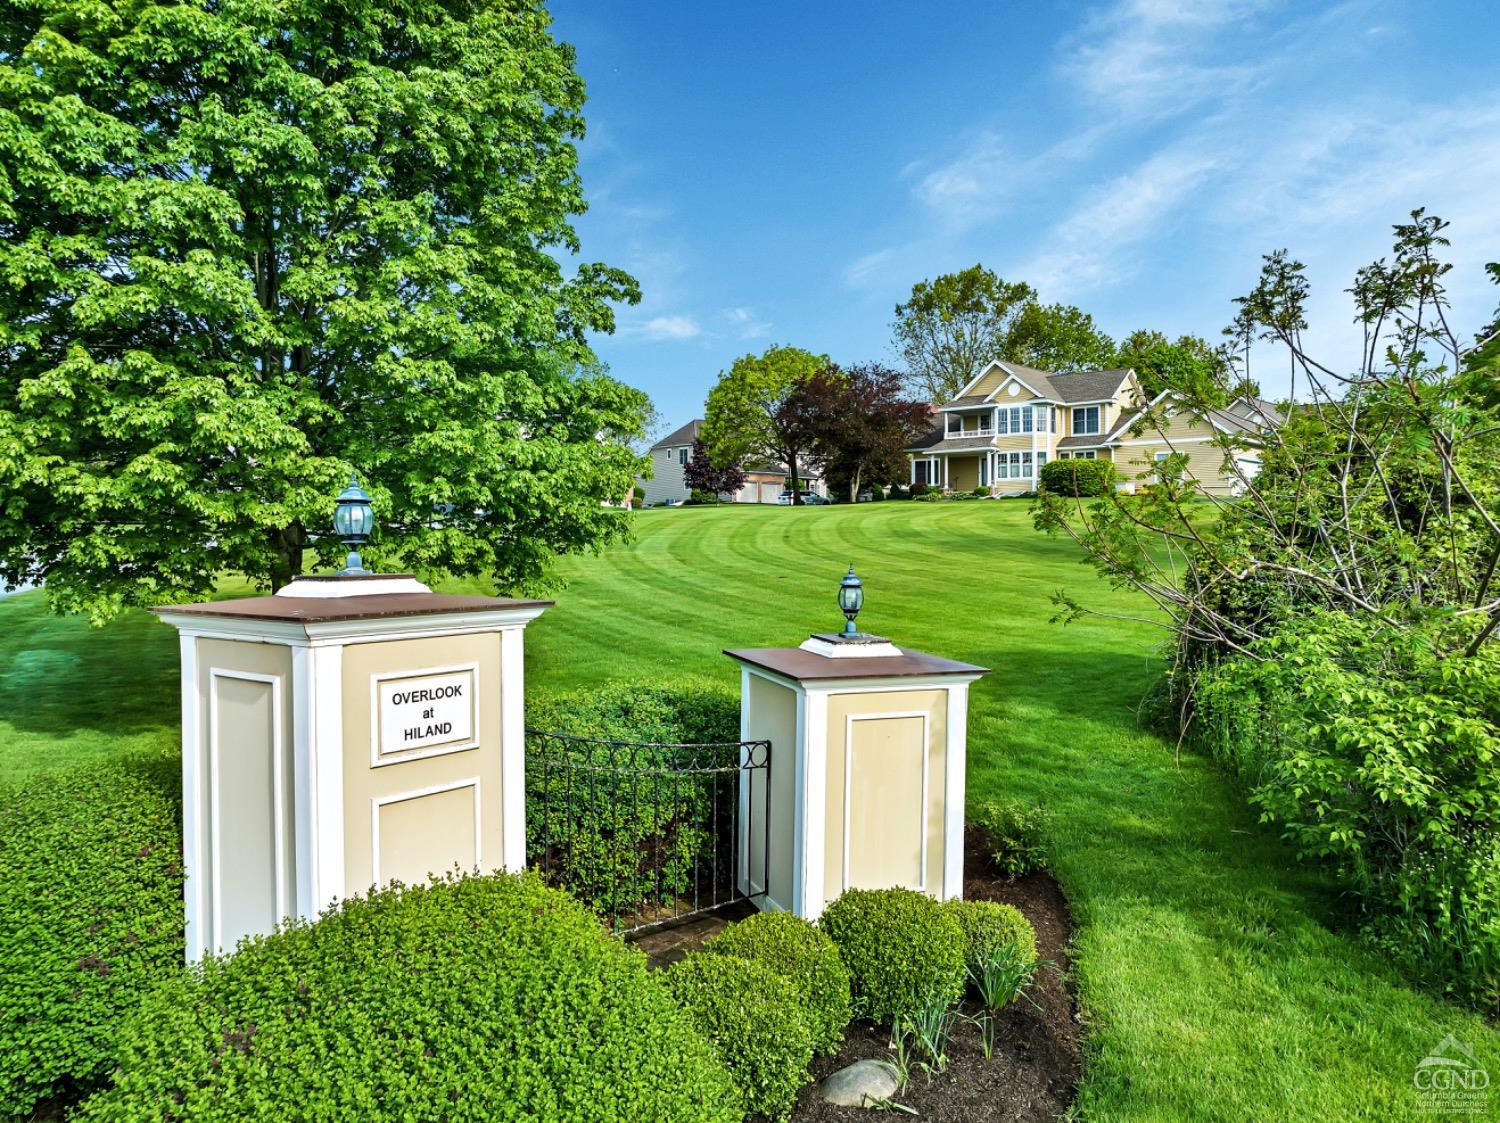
pixel 851 600
pixel 353 520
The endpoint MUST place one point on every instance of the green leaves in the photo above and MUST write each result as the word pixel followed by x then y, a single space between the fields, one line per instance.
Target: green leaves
pixel 483 998
pixel 252 246
pixel 91 896
pixel 740 418
pixel 1377 756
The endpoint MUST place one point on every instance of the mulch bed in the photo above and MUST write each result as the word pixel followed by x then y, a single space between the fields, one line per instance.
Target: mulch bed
pixel 1034 1069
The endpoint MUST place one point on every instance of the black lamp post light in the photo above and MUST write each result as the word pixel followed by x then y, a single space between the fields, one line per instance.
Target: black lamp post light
pixel 353 520
pixel 851 600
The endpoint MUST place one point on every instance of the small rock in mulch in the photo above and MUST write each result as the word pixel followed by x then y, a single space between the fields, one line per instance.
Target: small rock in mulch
pixel 860 1084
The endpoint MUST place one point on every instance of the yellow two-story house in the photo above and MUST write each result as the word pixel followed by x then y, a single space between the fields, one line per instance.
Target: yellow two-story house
pixel 1011 420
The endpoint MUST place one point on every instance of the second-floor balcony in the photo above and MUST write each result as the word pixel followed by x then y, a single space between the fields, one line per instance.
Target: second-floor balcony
pixel 986 431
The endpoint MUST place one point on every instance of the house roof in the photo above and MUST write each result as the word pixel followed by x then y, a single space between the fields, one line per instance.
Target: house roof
pixel 1256 411
pixel 927 440
pixel 1087 385
pixel 686 435
pixel 1082 386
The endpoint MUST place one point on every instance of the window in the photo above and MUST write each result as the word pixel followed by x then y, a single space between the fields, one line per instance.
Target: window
pixel 1085 420
pixel 1015 465
pixel 682 456
pixel 1015 419
pixel 1160 458
pixel 1041 458
pixel 1084 454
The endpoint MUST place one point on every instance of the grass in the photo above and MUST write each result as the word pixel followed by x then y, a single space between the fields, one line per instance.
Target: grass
pixel 1212 968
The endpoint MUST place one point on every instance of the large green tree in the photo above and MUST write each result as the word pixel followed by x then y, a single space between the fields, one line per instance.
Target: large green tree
pixel 248 246
pixel 956 324
pixel 1058 337
pixel 951 327
pixel 752 415
pixel 1190 366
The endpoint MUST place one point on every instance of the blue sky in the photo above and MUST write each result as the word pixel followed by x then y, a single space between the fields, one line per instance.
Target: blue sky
pixel 784 172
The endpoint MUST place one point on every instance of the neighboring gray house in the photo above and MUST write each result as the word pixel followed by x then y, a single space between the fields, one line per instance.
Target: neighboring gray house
pixel 669 456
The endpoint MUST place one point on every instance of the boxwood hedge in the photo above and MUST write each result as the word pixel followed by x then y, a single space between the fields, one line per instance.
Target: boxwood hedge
pixel 989 927
pixel 1078 478
pixel 806 958
pixel 478 998
pixel 90 915
pixel 903 949
pixel 755 1019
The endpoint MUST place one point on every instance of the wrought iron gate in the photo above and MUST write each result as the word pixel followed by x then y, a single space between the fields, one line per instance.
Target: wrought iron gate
pixel 648 833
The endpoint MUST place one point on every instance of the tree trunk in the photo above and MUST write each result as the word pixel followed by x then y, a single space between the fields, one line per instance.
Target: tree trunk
pixel 286 561
pixel 854 487
pixel 791 462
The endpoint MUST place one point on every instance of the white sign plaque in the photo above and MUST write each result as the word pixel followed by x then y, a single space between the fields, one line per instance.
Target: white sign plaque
pixel 431 711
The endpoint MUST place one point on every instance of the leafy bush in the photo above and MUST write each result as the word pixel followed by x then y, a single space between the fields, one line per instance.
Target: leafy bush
pixel 754 1018
pixel 902 948
pixel 478 998
pixel 899 492
pixel 639 493
pixel 980 492
pixel 931 495
pixel 989 928
pixel 877 493
pixel 91 901
pixel 1078 478
pixel 807 958
pixel 617 825
pixel 917 490
pixel 1377 755
pixel 1015 834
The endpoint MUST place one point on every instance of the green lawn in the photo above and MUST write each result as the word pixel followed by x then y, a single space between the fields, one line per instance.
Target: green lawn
pixel 1214 983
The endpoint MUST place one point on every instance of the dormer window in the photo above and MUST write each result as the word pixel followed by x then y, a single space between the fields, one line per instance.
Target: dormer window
pixel 1085 421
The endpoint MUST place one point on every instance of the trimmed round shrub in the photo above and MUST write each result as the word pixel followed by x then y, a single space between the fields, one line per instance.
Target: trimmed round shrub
pixel 806 958
pixel 90 916
pixel 1079 479
pixel 989 927
pixel 903 950
pixel 475 998
pixel 754 1018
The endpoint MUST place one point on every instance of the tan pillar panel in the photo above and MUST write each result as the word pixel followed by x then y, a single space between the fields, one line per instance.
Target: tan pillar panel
pixel 772 716
pixel 245 876
pixel 879 766
pixel 426 811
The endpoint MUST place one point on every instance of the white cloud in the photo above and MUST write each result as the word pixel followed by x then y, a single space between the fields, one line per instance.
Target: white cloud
pixel 1143 58
pixel 746 325
pixel 869 268
pixel 1086 248
pixel 670 327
